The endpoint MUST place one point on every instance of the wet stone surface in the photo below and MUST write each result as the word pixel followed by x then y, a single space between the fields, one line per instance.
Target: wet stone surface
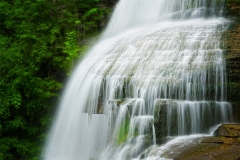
pixel 228 130
pixel 225 145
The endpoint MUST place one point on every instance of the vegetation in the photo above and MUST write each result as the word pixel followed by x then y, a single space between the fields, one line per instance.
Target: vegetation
pixel 232 1
pixel 123 131
pixel 40 42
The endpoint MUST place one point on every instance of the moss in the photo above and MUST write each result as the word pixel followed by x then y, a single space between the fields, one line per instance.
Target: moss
pixel 123 132
pixel 236 111
pixel 232 1
pixel 233 91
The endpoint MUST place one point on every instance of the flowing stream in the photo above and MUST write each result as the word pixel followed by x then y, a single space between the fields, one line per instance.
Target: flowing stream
pixel 157 72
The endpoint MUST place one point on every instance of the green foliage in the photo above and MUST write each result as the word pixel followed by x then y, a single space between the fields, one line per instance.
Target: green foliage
pixel 123 131
pixel 228 1
pixel 40 41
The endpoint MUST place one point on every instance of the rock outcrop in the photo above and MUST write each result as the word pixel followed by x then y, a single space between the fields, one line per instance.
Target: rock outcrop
pixel 225 145
pixel 231 45
pixel 228 130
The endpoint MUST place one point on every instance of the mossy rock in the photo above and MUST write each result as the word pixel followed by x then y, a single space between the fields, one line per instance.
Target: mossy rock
pixel 228 130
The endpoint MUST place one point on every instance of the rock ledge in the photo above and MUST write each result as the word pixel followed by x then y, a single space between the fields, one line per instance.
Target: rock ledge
pixel 224 145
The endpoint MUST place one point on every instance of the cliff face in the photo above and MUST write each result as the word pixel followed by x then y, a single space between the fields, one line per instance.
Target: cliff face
pixel 233 8
pixel 225 144
pixel 231 43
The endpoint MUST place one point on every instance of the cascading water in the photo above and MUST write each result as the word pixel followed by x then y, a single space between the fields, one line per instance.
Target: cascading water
pixel 157 71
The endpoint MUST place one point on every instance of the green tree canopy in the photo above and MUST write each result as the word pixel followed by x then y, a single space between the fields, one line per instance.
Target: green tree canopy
pixel 39 43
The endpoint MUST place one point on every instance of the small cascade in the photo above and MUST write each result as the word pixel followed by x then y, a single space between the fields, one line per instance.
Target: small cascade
pixel 157 72
pixel 170 148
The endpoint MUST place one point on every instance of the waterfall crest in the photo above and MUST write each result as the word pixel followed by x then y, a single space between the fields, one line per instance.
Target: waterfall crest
pixel 158 71
pixel 129 14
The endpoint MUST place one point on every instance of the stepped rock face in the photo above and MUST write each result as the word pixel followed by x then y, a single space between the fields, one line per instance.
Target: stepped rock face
pixel 225 144
pixel 231 43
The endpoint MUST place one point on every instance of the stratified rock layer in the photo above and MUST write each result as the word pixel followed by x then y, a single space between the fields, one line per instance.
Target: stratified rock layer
pixel 231 44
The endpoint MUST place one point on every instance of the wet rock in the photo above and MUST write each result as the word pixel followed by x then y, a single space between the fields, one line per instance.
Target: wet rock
pixel 232 8
pixel 210 151
pixel 228 130
pixel 231 43
pixel 225 145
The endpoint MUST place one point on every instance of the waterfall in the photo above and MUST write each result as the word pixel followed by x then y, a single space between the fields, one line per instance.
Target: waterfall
pixel 158 71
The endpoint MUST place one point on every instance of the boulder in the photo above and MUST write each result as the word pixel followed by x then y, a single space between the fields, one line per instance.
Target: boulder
pixel 228 130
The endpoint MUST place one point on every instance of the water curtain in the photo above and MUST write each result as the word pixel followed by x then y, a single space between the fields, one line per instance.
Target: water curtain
pixel 158 71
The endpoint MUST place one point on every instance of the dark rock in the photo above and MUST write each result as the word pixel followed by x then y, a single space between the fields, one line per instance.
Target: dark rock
pixel 232 8
pixel 231 46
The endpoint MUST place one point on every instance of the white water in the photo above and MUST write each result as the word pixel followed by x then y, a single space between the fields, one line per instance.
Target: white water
pixel 170 148
pixel 158 71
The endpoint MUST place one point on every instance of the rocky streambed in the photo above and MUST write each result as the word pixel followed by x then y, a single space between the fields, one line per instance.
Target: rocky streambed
pixel 223 145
